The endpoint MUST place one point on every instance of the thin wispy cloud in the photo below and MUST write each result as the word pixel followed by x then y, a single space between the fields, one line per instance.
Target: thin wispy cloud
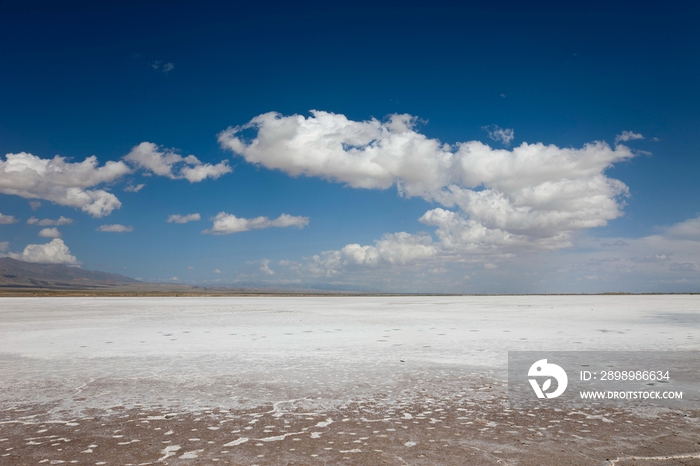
pixel 688 230
pixel 502 135
pixel 130 188
pixel 627 136
pixel 658 257
pixel 49 222
pixel 684 267
pixel 176 218
pixel 162 66
pixel 115 228
pixel 225 224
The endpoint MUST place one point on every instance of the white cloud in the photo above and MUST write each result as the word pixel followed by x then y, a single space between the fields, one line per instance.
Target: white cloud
pixel 217 271
pixel 158 65
pixel 225 224
pixel 657 262
pixel 50 233
pixel 504 135
pixel 394 249
pixel 616 243
pixel 687 230
pixel 176 218
pixel 166 162
pixel 48 222
pixel 494 201
pixel 4 245
pixel 130 188
pixel 34 204
pixel 7 219
pixel 174 279
pixel 265 267
pixel 62 182
pixel 55 252
pixel 627 136
pixel 658 257
pixel 115 228
pixel 684 267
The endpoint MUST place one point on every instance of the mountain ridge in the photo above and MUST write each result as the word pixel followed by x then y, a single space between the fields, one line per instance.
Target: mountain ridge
pixel 16 273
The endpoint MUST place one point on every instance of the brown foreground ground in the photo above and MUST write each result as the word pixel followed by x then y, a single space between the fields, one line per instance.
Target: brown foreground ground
pixel 426 427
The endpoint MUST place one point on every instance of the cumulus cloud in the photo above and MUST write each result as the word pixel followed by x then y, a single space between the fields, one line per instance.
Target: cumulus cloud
pixel 7 219
pixel 265 267
pixel 62 182
pixel 50 233
pixel 176 218
pixel 394 249
pixel 55 252
pixel 493 201
pixel 130 188
pixel 166 162
pixel 34 204
pixel 49 222
pixel 115 228
pixel 225 224
pixel 504 135
pixel 627 136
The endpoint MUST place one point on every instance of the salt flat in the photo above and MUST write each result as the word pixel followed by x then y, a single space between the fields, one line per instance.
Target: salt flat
pixel 355 380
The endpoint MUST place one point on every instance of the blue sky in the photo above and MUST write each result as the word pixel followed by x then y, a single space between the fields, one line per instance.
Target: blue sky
pixel 538 148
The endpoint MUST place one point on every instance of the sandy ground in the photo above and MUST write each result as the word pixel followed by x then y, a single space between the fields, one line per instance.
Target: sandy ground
pixel 364 380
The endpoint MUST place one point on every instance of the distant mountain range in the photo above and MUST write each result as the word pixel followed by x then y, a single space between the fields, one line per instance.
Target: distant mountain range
pixel 19 274
pixel 320 287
